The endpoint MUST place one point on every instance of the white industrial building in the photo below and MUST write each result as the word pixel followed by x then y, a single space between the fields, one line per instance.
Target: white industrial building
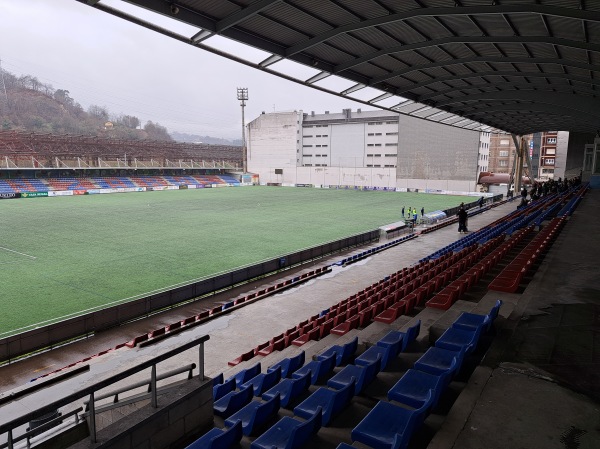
pixel 365 149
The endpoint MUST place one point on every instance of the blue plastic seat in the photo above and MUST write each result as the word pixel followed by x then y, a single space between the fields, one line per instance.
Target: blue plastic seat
pixel 407 337
pixel 455 339
pixel 385 353
pixel 319 369
pixel 246 374
pixel 390 426
pixel 414 387
pixel 219 438
pixel 289 433
pixel 264 381
pixel 438 361
pixel 289 365
pixel 222 389
pixel 289 389
pixel 360 376
pixel 331 402
pixel 343 353
pixel 232 402
pixel 472 321
pixel 255 415
pixel 344 446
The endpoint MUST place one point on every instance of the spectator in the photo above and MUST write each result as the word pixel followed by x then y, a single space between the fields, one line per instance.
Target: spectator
pixel 462 219
pixel 403 212
pixel 422 212
pixel 480 202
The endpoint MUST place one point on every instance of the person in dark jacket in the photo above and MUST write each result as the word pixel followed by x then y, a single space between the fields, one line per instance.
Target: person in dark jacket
pixel 462 219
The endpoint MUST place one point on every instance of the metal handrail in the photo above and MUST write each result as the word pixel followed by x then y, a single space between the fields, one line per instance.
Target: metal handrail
pixel 43 427
pixel 143 383
pixel 90 390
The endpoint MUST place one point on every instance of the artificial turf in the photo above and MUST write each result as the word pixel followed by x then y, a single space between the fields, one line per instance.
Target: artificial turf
pixel 62 256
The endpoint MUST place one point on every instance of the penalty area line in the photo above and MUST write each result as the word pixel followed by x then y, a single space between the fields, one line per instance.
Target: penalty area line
pixel 17 252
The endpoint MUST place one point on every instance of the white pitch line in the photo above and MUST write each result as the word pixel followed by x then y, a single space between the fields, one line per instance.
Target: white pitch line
pixel 17 252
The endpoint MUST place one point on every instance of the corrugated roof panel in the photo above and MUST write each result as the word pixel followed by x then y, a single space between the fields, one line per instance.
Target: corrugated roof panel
pixel 461 25
pixel 435 54
pixel 265 28
pixel 351 45
pixel 552 68
pixel 578 72
pixel 593 30
pixel 459 69
pixel 541 50
pixel 411 58
pixel 437 72
pixel 478 67
pixel 493 24
pixel 430 27
pixel 501 66
pixel 485 49
pixel 566 28
pixel 286 13
pixel 216 9
pixel 458 50
pixel 364 8
pixel 401 32
pixel 399 7
pixel 512 50
pixel 369 70
pixel 417 77
pixel 573 54
pixel 526 67
pixel 390 63
pixel 328 53
pixel 327 10
pixel 527 24
pixel 376 37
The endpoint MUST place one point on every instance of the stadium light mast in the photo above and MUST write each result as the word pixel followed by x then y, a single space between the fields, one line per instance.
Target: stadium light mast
pixel 242 95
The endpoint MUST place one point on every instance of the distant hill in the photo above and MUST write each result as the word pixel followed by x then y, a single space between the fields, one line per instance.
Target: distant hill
pixel 193 138
pixel 30 105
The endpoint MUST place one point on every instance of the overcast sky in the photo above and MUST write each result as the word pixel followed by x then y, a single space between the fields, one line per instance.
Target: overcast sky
pixel 111 62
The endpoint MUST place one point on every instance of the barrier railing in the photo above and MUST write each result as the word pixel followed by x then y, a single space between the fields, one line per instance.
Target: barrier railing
pixel 90 393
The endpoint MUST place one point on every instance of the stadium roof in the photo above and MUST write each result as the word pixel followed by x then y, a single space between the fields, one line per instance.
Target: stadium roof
pixel 514 65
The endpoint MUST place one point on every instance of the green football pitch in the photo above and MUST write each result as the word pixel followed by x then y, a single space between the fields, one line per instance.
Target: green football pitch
pixel 62 256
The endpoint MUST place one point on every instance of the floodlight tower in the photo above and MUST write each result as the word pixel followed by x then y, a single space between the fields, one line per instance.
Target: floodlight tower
pixel 242 95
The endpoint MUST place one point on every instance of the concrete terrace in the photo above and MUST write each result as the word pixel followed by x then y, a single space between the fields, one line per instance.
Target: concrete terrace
pixel 536 387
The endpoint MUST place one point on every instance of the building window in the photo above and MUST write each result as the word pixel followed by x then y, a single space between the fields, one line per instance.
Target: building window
pixel 374 123
pixel 389 166
pixel 391 134
pixel 369 155
pixel 503 163
pixel 550 151
pixel 391 155
pixel 377 144
pixel 306 137
pixel 307 155
pixel 503 154
pixel 306 146
pixel 394 144
pixel 371 134
pixel 390 123
pixel 378 134
pixel 549 161
pixel 551 140
pixel 308 165
pixel 377 155
pixel 504 142
pixel 369 165
pixel 369 144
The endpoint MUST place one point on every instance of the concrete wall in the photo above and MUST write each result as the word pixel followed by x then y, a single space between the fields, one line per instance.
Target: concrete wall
pixel 273 144
pixel 430 151
pixel 575 153
pixel 183 416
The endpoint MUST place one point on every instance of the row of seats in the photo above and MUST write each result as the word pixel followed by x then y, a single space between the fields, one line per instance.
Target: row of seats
pixel 389 425
pixel 371 251
pixel 511 276
pixel 247 416
pixel 69 183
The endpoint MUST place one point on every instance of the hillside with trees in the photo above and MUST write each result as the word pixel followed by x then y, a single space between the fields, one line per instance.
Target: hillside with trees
pixel 26 104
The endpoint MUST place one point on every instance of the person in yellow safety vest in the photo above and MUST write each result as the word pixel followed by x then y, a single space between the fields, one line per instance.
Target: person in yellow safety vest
pixel 414 214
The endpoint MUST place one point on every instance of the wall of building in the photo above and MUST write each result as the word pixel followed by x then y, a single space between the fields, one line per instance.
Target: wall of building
pixel 273 143
pixel 434 152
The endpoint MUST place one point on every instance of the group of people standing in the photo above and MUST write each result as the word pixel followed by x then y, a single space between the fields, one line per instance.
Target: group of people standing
pixel 412 213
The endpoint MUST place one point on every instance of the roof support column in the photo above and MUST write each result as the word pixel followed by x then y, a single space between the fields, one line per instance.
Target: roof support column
pixel 520 153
